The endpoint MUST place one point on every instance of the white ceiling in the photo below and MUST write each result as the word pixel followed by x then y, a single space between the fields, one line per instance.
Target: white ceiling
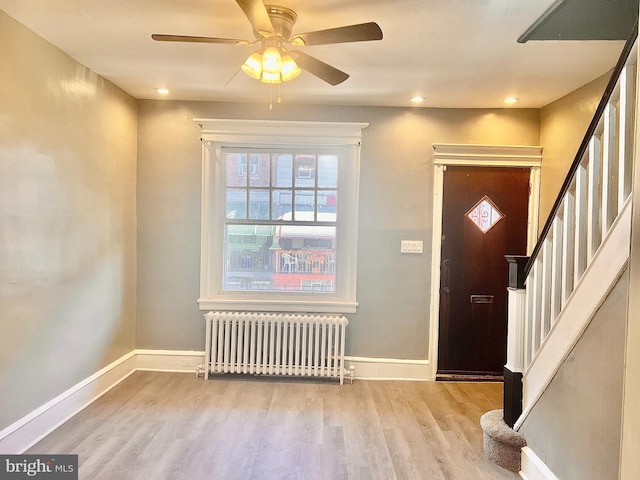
pixel 455 53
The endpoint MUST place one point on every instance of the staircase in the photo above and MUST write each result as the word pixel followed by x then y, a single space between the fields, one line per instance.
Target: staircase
pixel 581 254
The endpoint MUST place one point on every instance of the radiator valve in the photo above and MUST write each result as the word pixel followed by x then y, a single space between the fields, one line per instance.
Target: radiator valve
pixel 350 373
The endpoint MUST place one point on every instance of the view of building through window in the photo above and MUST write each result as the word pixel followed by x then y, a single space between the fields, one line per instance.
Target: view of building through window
pixel 280 226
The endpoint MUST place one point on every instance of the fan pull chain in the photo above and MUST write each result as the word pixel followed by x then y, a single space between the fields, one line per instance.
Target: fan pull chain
pixel 271 96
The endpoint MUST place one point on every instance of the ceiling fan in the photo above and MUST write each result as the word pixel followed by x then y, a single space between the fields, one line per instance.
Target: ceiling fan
pixel 274 62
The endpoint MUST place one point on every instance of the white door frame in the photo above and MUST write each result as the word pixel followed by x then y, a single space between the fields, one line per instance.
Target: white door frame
pixel 446 154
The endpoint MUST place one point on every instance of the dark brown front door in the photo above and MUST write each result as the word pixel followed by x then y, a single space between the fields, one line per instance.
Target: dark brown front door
pixel 484 218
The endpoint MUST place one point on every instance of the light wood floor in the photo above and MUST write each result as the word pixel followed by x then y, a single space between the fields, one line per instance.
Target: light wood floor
pixel 156 426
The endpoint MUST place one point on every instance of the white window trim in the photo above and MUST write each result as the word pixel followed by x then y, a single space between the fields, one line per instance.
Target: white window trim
pixel 219 133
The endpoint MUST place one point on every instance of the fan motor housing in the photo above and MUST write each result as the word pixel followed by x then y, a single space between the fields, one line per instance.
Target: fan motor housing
pixel 282 19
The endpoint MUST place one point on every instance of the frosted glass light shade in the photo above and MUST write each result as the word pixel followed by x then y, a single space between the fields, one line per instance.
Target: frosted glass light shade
pixel 253 66
pixel 268 77
pixel 290 69
pixel 271 60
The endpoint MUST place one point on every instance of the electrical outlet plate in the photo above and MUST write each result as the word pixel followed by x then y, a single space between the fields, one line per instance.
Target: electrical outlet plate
pixel 411 246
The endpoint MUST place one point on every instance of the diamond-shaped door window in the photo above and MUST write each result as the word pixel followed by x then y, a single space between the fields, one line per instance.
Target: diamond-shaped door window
pixel 484 214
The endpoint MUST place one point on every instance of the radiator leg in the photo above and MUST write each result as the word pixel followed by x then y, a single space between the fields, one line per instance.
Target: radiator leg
pixel 207 356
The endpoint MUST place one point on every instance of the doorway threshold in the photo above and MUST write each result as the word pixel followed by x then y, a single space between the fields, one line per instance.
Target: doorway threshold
pixel 469 377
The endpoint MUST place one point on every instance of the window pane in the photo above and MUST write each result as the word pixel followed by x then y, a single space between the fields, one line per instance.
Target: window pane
pixel 305 168
pixel 259 169
pixel 281 204
pixel 289 258
pixel 236 203
pixel 236 169
pixel 327 171
pixel 305 202
pixel 282 166
pixel 259 204
pixel 327 205
pixel 484 214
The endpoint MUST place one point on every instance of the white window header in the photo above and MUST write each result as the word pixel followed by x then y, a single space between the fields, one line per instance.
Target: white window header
pixel 280 132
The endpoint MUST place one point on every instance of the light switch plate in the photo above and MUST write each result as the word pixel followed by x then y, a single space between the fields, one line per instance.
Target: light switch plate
pixel 411 246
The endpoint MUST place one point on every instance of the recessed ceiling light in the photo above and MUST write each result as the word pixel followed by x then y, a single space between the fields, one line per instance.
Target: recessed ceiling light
pixel 162 91
pixel 417 99
pixel 510 100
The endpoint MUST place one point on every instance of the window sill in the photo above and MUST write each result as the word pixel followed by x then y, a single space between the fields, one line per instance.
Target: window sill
pixel 260 305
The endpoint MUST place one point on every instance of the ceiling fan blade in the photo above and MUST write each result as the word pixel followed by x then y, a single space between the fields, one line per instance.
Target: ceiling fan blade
pixel 257 15
pixel 362 32
pixel 188 38
pixel 318 68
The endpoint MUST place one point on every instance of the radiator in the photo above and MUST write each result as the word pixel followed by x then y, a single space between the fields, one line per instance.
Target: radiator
pixel 275 344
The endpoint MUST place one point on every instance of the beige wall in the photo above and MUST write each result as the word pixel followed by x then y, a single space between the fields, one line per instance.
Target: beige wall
pixel 67 222
pixel 629 458
pixel 396 196
pixel 575 427
pixel 563 125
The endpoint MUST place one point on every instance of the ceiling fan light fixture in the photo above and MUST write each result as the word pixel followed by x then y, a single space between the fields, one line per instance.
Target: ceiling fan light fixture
pixel 290 69
pixel 272 28
pixel 271 60
pixel 271 66
pixel 253 66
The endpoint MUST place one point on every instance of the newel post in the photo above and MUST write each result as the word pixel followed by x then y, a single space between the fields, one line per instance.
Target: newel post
pixel 514 368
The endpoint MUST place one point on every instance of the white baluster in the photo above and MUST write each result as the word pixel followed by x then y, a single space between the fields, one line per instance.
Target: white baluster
pixel 593 197
pixel 609 177
pixel 625 145
pixel 580 236
pixel 556 266
pixel 568 245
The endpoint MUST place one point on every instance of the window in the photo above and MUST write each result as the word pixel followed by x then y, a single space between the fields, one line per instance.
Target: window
pixel 279 215
pixel 280 227
pixel 484 214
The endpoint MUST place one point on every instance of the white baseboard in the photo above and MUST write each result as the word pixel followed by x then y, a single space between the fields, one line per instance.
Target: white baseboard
pixel 30 429
pixel 368 368
pixel 533 468
pixel 181 361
